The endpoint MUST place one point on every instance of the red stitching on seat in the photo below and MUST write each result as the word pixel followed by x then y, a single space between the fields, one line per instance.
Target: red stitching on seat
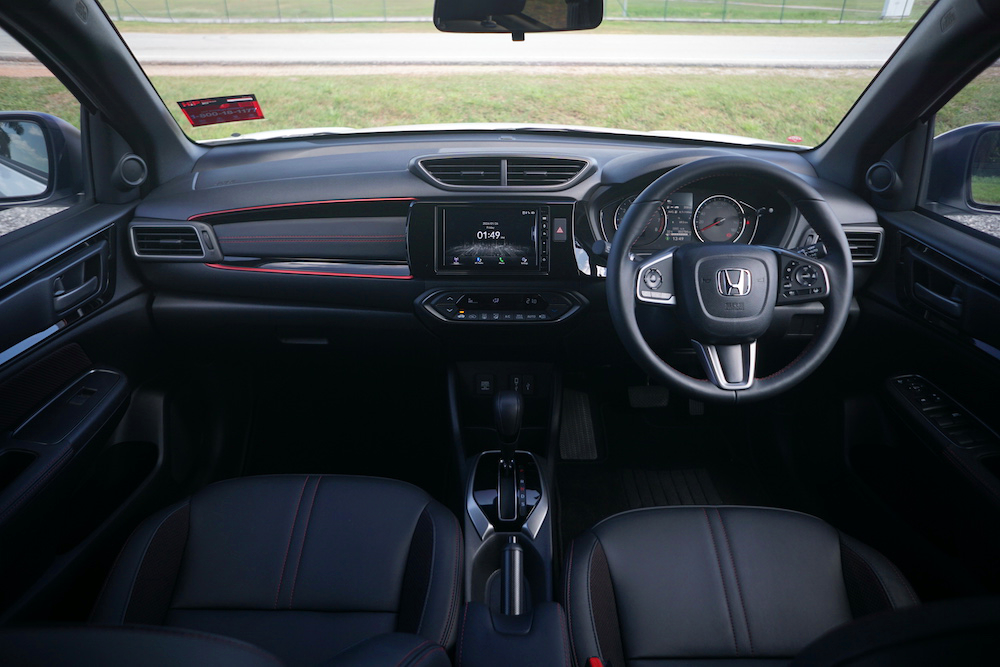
pixel 427 655
pixel 302 547
pixel 739 589
pixel 454 594
pixel 569 593
pixel 461 638
pixel 565 627
pixel 722 578
pixel 414 650
pixel 288 548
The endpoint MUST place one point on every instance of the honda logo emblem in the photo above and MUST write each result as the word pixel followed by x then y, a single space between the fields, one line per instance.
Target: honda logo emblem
pixel 734 282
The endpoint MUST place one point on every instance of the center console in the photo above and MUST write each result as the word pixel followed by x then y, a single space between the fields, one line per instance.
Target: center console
pixel 502 415
pixel 502 269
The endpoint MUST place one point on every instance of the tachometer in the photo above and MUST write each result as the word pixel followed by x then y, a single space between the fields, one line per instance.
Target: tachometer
pixel 654 227
pixel 720 219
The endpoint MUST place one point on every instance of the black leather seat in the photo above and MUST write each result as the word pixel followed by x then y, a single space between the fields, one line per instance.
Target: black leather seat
pixel 686 585
pixel 305 567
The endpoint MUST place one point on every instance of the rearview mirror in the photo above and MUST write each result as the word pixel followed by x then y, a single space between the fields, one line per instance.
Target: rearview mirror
pixel 517 16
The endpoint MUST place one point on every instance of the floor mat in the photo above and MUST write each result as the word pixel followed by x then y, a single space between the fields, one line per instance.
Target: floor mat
pixel 658 457
pixel 652 488
pixel 577 440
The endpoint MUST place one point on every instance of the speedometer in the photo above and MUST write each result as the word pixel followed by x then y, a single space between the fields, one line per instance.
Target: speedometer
pixel 720 219
pixel 654 226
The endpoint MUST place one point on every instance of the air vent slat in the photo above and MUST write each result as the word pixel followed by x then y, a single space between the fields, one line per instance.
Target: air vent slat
pixel 172 241
pixel 865 245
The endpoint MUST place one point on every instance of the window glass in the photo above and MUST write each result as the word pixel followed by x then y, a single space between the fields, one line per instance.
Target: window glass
pixel 965 174
pixel 27 85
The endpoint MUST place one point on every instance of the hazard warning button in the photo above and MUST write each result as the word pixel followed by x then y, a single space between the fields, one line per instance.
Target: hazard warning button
pixel 559 227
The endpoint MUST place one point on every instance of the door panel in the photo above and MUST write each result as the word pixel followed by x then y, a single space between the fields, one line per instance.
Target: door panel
pixel 931 328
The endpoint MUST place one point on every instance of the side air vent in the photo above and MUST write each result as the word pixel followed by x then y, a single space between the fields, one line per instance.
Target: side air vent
pixel 167 242
pixel 866 245
pixel 465 171
pixel 514 173
pixel 534 172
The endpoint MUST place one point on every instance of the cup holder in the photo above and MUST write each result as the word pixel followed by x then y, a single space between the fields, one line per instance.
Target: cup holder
pixel 486 572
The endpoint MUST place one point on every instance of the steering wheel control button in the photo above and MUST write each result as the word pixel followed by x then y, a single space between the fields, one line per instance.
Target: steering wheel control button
pixel 802 280
pixel 806 275
pixel 655 281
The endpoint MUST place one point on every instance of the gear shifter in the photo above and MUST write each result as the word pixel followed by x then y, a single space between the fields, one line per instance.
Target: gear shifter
pixel 508 409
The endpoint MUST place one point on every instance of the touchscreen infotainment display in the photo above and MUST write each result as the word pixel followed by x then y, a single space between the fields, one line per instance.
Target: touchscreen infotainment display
pixel 489 238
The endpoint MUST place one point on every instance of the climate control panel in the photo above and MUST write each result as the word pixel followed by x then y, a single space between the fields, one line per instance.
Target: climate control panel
pixel 506 307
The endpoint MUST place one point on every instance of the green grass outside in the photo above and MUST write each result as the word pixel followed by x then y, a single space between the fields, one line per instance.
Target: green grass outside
pixel 978 102
pixel 986 190
pixel 731 104
pixel 795 105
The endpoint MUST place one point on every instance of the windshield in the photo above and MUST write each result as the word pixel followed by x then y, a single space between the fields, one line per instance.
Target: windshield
pixel 767 71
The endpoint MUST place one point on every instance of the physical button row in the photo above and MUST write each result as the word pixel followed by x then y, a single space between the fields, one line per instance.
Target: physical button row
pixel 502 317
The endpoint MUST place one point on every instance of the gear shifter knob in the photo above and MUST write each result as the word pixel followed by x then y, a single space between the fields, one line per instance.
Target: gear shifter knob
pixel 507 410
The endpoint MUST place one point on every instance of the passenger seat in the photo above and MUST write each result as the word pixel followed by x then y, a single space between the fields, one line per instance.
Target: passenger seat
pixel 304 566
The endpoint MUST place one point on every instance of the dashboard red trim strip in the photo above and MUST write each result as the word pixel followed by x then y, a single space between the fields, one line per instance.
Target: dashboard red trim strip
pixel 296 272
pixel 199 216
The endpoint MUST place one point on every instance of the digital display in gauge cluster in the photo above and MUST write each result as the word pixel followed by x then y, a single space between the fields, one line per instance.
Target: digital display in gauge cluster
pixel 679 208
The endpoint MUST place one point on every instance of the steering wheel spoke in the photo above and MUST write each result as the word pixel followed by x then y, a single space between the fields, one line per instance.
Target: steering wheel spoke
pixel 654 282
pixel 802 278
pixel 729 367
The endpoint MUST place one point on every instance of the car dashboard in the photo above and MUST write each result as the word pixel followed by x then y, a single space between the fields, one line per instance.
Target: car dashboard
pixel 458 228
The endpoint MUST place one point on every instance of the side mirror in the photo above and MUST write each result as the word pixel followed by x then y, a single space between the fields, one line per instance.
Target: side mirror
pixel 984 172
pixel 39 159
pixel 517 16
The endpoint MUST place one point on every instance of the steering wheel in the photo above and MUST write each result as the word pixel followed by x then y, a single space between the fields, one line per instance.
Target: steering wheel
pixel 725 294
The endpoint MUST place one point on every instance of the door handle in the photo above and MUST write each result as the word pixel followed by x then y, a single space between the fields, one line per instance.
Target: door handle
pixel 63 301
pixel 950 307
pixel 78 279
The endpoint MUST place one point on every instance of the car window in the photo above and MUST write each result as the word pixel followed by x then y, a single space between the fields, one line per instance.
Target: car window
pixel 777 74
pixel 27 192
pixel 964 183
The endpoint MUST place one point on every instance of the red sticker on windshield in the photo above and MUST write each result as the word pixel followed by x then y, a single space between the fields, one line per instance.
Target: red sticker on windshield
pixel 795 139
pixel 212 110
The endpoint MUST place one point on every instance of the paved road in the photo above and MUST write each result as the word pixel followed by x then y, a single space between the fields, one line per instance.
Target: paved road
pixel 551 49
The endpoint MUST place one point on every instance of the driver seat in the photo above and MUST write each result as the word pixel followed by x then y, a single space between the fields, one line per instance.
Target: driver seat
pixel 689 585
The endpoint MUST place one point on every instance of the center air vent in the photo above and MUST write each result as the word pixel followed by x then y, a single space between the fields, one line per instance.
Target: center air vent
pixel 542 171
pixel 468 172
pixel 167 241
pixel 866 245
